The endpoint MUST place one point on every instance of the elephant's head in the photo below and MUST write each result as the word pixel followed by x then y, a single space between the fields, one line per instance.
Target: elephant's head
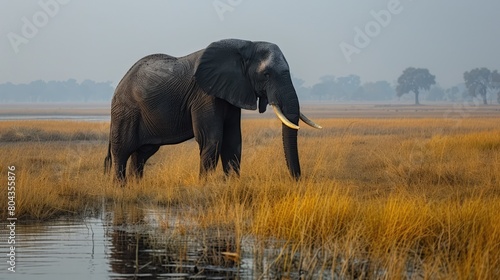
pixel 245 73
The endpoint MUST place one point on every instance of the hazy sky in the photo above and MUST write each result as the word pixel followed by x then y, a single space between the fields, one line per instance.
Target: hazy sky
pixel 377 40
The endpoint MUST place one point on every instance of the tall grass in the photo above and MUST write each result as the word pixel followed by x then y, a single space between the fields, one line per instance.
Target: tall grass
pixel 388 198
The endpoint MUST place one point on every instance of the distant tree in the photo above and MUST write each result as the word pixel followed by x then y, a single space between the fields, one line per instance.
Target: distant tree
pixel 436 93
pixel 480 81
pixel 325 89
pixel 414 80
pixel 37 91
pixel 350 87
pixel 477 81
pixel 495 83
pixel 451 94
pixel 380 90
pixel 69 90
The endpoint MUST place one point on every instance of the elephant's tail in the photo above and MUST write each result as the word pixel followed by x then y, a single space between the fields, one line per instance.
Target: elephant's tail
pixel 107 160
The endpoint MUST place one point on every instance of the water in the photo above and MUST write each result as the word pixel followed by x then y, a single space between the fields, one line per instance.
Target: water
pixel 127 242
pixel 68 248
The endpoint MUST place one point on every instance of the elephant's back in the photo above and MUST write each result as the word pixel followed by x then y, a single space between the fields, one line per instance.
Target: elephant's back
pixel 151 68
pixel 146 77
pixel 146 61
pixel 141 67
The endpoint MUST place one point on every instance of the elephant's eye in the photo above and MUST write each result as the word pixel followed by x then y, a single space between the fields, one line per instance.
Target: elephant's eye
pixel 266 75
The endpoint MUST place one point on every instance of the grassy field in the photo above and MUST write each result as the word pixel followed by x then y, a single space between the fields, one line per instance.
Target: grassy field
pixel 381 198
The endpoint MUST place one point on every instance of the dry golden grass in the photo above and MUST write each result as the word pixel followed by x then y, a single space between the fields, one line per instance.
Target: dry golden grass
pixel 381 198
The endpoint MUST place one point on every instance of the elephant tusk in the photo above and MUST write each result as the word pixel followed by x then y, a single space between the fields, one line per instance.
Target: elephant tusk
pixel 283 119
pixel 309 122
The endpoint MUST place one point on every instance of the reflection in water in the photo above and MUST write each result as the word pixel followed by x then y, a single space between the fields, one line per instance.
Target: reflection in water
pixel 127 248
pixel 148 245
pixel 130 242
pixel 69 248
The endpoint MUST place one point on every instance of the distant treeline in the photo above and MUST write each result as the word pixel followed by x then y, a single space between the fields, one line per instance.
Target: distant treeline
pixel 347 88
pixel 350 88
pixel 57 91
pixel 480 82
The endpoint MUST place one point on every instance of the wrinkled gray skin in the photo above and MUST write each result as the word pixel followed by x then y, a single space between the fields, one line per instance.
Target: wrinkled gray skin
pixel 166 100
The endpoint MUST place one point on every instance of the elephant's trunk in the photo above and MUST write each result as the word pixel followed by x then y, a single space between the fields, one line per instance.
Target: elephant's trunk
pixel 291 150
pixel 288 106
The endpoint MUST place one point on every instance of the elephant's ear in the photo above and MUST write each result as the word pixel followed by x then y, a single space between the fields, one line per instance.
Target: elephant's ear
pixel 222 72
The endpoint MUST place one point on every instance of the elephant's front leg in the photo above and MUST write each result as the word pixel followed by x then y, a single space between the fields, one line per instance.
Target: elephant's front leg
pixel 231 142
pixel 209 138
pixel 209 156
pixel 208 128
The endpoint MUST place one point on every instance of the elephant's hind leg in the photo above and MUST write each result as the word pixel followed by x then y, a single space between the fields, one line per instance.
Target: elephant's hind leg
pixel 139 158
pixel 120 158
pixel 120 168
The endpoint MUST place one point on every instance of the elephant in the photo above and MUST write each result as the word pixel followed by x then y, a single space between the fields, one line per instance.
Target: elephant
pixel 165 100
